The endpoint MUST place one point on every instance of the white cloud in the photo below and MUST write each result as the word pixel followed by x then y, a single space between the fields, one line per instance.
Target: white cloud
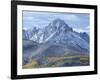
pixel 78 30
pixel 82 30
pixel 72 17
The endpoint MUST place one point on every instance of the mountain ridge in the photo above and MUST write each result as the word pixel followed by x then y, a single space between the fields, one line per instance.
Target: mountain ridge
pixel 58 32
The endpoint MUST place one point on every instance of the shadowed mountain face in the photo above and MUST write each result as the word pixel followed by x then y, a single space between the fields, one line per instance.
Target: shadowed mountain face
pixel 55 40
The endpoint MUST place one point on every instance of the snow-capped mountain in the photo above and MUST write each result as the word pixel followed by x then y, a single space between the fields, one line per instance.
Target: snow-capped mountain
pixel 58 32
pixel 55 28
pixel 37 35
pixel 32 34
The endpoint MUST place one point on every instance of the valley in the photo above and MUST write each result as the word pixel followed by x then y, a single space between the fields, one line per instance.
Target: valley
pixel 65 61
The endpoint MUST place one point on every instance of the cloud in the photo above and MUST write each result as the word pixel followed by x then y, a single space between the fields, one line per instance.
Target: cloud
pixel 85 29
pixel 71 17
pixel 78 30
pixel 42 19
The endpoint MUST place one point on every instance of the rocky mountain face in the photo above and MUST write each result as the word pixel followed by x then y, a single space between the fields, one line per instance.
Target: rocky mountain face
pixel 58 32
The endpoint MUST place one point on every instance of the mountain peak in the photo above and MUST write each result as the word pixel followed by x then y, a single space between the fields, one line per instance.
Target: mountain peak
pixel 59 21
pixel 59 24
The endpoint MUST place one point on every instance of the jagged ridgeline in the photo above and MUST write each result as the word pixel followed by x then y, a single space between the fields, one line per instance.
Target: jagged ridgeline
pixel 55 45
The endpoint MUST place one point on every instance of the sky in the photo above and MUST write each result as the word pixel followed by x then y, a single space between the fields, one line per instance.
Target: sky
pixel 80 22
